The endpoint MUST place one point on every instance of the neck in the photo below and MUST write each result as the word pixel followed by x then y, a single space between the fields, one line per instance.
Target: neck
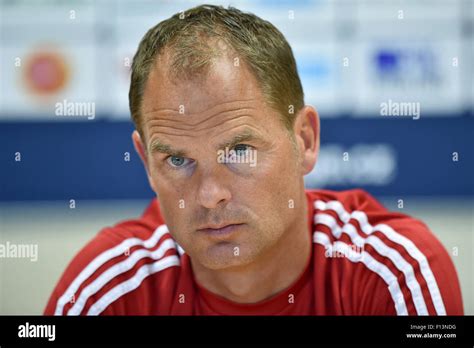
pixel 273 272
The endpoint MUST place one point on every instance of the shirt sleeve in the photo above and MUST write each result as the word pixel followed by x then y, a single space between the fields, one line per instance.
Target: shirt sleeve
pixel 80 270
pixel 424 279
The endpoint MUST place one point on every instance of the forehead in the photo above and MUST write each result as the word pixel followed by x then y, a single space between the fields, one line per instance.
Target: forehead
pixel 227 82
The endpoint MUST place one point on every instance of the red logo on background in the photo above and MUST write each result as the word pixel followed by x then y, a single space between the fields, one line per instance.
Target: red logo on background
pixel 46 73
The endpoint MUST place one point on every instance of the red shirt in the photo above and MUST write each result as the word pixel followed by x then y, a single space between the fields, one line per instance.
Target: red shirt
pixel 365 261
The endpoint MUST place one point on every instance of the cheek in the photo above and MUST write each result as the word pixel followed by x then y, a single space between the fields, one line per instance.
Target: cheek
pixel 277 187
pixel 164 180
pixel 277 172
pixel 268 191
pixel 173 201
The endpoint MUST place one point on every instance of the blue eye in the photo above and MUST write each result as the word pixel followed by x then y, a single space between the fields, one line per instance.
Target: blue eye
pixel 241 149
pixel 176 161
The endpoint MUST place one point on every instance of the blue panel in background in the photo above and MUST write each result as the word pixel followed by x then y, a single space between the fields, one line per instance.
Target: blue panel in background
pixel 71 160
pixel 423 152
pixel 85 160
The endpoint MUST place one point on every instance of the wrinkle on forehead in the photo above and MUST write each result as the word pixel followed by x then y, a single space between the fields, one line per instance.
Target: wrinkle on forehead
pixel 196 121
pixel 217 120
pixel 217 106
pixel 217 129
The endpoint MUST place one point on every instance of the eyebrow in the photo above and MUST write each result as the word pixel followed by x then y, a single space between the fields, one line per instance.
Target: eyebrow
pixel 247 135
pixel 158 146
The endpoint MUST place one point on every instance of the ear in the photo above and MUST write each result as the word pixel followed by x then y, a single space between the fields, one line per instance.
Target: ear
pixel 140 148
pixel 306 131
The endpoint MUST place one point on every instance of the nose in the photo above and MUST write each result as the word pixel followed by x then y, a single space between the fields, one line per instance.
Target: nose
pixel 212 190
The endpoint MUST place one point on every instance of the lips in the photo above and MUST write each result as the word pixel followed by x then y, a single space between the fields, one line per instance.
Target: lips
pixel 219 230
pixel 217 227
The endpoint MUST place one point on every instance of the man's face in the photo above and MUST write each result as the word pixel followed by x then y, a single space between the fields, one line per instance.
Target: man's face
pixel 187 126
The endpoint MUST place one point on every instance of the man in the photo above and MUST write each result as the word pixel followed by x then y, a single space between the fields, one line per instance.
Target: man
pixel 226 139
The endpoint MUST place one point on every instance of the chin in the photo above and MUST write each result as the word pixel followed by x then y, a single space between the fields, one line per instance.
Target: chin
pixel 223 255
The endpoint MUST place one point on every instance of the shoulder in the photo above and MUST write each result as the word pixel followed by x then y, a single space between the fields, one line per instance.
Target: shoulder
pixel 114 263
pixel 395 263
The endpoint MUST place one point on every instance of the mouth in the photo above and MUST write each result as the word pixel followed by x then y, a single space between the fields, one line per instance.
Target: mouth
pixel 220 231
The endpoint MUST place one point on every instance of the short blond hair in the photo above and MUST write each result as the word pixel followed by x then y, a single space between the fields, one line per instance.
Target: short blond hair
pixel 188 36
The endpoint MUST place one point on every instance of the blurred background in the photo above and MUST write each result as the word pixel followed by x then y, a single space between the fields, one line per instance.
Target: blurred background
pixel 68 167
